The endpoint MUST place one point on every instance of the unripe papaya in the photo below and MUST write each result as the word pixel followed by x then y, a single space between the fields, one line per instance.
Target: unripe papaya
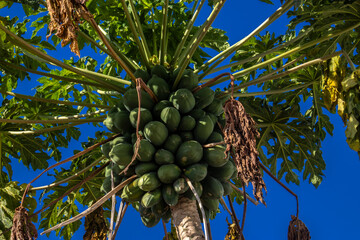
pixel 163 156
pixel 189 152
pixel 172 143
pixel 183 100
pixel 160 71
pixel 131 100
pixel 156 132
pixel 204 97
pixel 145 117
pixel 143 74
pixel 171 117
pixel 121 154
pixel 159 107
pixel 203 129
pixel 159 87
pixel 187 123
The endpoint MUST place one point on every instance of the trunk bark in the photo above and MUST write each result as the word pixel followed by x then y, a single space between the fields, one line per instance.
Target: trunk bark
pixel 187 220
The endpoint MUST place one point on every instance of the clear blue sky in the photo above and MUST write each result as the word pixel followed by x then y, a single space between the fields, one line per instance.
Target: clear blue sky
pixel 330 212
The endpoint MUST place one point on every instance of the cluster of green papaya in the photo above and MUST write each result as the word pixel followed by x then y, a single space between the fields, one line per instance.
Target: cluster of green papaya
pixel 174 131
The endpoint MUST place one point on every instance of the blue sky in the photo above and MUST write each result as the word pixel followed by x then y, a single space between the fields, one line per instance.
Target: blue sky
pixel 330 212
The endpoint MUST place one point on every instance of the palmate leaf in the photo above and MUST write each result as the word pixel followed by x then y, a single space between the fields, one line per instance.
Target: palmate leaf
pixel 68 207
pixel 287 141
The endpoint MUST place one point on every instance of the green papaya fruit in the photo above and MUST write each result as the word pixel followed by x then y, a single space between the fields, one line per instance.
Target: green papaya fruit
pixel 145 167
pixel 180 185
pixel 159 107
pixel 145 117
pixel 146 151
pixel 171 117
pixel 156 132
pixel 160 71
pixel 212 188
pixel 149 181
pixel 187 123
pixel 163 156
pixel 204 97
pixel 196 172
pixel 121 154
pixel 215 156
pixel 132 192
pixel 131 100
pixel 168 173
pixel 169 194
pixel 159 87
pixel 151 198
pixel 189 152
pixel 203 129
pixel 183 100
pixel 143 74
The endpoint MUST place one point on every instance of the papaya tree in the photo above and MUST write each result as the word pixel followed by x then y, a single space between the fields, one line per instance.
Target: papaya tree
pixel 177 130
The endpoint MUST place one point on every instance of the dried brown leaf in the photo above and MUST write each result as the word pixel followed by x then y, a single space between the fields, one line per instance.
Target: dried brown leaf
pixel 95 226
pixel 297 230
pixel 23 228
pixel 240 137
pixel 65 16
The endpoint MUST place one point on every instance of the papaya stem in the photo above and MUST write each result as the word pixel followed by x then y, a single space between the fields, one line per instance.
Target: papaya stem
pixel 283 185
pixel 93 207
pixel 18 95
pixel 235 219
pixel 163 37
pixel 79 154
pixel 18 41
pixel 55 121
pixel 211 82
pixel 271 92
pixel 75 175
pixel 226 53
pixel 104 76
pixel 187 31
pixel 352 66
pixel 288 53
pixel 140 30
pixel 225 206
pixel 260 55
pixel 165 231
pixel 153 32
pixel 285 73
pixel 113 202
pixel 92 22
pixel 91 40
pixel 244 211
pixel 119 218
pixel 44 130
pixel 62 78
pixel 130 63
pixel 78 185
pixel 139 82
pixel 200 206
pixel 75 116
pixel 142 51
pixel 196 40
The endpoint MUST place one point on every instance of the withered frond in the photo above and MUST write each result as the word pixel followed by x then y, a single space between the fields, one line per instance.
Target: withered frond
pixel 95 226
pixel 65 15
pixel 297 230
pixel 23 228
pixel 240 136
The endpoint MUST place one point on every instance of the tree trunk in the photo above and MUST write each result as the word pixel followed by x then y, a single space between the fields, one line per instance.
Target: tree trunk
pixel 187 220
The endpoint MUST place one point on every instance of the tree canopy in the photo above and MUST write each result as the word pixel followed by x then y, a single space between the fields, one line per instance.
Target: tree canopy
pixel 284 82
